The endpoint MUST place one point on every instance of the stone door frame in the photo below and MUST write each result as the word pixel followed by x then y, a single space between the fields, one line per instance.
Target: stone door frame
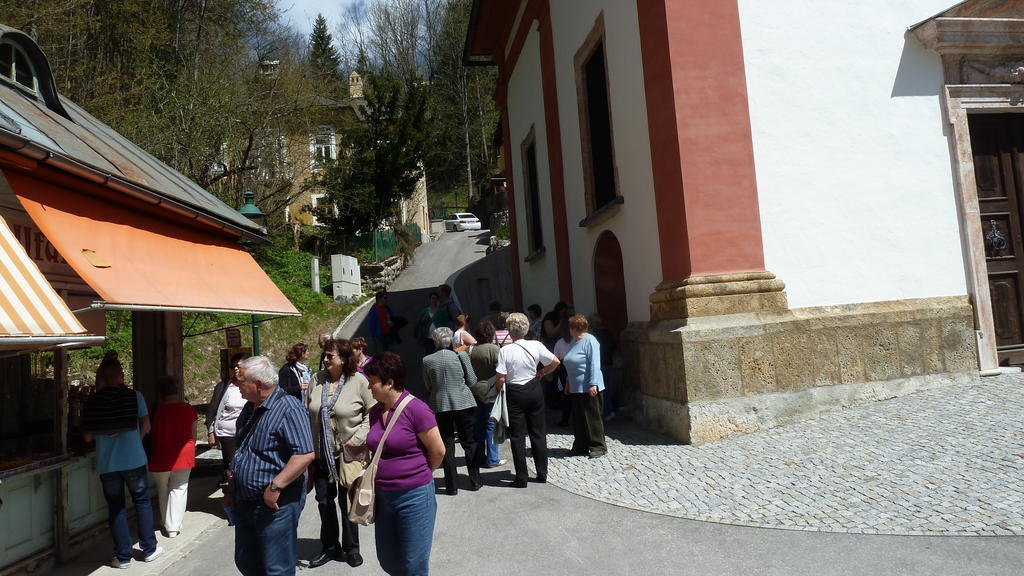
pixel 961 100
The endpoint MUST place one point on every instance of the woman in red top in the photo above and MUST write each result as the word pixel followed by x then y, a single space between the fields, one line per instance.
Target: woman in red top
pixel 174 453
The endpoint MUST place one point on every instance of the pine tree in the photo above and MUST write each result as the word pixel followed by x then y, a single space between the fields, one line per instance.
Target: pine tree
pixel 382 161
pixel 324 61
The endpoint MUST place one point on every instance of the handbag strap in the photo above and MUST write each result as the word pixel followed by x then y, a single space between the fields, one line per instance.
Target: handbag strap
pixel 387 430
pixel 465 374
pixel 527 351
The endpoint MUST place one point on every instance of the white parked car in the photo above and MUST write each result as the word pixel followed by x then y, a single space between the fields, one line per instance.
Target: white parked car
pixel 461 221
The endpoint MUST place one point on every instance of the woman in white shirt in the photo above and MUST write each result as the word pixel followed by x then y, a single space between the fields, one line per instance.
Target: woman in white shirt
pixel 462 338
pixel 222 429
pixel 517 368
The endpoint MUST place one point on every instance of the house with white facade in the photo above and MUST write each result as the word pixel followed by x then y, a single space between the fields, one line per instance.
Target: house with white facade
pixel 786 207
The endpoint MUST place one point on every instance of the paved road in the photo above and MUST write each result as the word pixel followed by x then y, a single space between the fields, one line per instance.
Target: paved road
pixel 549 530
pixel 434 263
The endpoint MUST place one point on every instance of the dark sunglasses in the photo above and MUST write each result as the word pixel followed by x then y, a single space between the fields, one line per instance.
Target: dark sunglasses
pixel 329 356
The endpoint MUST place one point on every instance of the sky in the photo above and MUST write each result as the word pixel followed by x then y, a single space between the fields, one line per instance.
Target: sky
pixel 301 13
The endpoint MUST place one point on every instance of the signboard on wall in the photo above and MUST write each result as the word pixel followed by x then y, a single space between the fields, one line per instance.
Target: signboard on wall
pixel 53 266
pixel 233 338
pixel 226 354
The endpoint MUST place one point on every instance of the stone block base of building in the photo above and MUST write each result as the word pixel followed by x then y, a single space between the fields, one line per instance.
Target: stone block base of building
pixel 705 378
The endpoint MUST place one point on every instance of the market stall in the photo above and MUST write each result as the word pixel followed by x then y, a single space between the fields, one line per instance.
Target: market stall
pixel 90 223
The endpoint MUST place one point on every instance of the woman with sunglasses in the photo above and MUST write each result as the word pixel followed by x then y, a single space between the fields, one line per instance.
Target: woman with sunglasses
pixel 338 407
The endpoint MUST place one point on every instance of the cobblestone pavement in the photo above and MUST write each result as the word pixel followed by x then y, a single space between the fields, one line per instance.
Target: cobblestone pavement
pixel 948 461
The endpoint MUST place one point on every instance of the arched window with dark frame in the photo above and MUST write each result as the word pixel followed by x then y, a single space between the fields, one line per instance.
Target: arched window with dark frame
pixel 16 67
pixel 23 67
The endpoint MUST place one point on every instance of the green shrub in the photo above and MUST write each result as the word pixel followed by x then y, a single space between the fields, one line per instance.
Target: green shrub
pixel 502 233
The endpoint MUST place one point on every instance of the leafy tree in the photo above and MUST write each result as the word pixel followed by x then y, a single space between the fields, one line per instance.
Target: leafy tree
pixel 203 85
pixel 381 163
pixel 422 41
pixel 463 114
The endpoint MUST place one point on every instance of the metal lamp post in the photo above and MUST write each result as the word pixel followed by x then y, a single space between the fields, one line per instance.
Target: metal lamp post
pixel 251 211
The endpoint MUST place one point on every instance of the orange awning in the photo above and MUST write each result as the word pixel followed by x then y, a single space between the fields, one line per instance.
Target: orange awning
pixel 32 315
pixel 138 261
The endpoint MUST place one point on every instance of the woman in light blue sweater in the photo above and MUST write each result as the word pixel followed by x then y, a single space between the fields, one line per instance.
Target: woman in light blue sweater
pixel 583 364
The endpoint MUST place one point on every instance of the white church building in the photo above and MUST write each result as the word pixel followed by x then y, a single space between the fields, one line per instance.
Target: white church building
pixel 786 207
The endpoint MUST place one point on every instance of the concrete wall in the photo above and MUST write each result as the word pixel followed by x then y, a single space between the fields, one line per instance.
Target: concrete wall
pixel 635 225
pixel 526 111
pixel 487 279
pixel 853 165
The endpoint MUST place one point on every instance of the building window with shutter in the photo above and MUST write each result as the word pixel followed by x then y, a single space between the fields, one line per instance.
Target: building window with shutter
pixel 315 201
pixel 323 146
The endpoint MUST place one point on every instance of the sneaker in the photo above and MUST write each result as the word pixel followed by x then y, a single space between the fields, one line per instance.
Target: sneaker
pixel 597 454
pixel 173 534
pixel 153 555
pixel 498 465
pixel 122 564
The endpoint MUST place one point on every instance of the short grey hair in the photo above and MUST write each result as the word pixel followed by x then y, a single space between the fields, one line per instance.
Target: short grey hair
pixel 259 369
pixel 442 337
pixel 517 325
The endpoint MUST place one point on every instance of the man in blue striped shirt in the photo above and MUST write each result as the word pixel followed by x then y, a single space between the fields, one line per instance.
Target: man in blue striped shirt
pixel 267 489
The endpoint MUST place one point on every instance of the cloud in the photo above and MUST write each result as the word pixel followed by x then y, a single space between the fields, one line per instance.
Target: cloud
pixel 301 13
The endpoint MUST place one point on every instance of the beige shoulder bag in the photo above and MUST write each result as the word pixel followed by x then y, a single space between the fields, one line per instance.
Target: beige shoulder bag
pixel 361 492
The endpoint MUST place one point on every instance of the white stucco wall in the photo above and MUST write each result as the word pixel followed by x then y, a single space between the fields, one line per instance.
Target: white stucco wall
pixel 853 167
pixel 635 225
pixel 526 110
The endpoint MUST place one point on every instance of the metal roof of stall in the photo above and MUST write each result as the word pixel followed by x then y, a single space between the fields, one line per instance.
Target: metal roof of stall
pixel 51 129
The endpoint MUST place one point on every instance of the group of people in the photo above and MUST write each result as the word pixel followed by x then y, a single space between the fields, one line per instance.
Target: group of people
pixel 524 363
pixel 137 444
pixel 286 431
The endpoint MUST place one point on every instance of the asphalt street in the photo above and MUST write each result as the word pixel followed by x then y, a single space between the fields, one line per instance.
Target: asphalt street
pixel 546 530
pixel 434 263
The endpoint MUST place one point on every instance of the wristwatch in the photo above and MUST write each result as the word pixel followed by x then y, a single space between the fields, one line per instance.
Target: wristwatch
pixel 274 487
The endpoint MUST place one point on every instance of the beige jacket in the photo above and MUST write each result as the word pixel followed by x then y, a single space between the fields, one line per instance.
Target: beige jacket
pixel 349 416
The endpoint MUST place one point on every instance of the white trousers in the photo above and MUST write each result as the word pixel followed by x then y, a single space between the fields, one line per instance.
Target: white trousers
pixel 172 493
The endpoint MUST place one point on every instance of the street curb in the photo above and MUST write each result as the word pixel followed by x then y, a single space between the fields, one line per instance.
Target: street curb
pixel 337 331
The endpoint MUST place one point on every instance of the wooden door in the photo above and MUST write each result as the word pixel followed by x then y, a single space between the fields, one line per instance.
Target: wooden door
pixel 610 282
pixel 997 141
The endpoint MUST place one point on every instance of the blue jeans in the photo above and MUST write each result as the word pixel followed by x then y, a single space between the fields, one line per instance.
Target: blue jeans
pixel 137 481
pixel 405 530
pixel 265 539
pixel 484 432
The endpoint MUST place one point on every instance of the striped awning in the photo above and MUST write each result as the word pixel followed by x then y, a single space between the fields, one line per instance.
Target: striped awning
pixel 29 307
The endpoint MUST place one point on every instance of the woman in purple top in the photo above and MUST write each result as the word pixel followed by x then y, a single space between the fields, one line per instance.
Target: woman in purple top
pixel 405 504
